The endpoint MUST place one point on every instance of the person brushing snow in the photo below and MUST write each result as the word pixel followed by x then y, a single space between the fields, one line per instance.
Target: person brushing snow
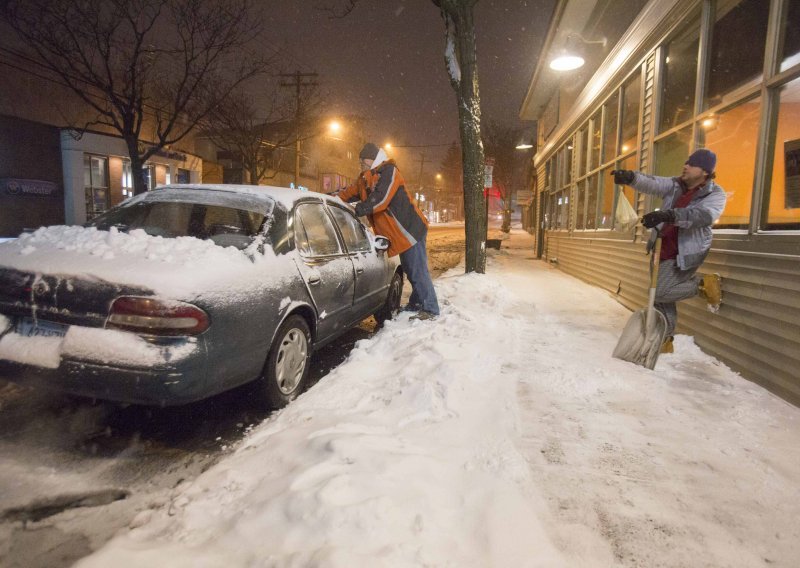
pixel 380 194
pixel 692 203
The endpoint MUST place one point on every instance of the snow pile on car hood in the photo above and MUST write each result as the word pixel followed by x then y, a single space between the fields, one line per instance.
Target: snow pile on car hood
pixel 180 268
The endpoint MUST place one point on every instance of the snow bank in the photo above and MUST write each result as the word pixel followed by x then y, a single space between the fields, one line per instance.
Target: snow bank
pixel 500 434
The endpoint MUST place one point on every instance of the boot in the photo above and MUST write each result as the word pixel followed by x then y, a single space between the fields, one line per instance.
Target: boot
pixel 667 346
pixel 711 289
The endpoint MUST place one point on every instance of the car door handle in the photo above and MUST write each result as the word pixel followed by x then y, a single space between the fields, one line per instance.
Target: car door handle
pixel 313 280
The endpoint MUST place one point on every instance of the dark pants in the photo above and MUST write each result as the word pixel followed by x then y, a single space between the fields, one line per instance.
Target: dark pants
pixel 415 266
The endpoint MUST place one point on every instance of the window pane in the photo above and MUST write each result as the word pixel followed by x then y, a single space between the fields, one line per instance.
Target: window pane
pixel 610 128
pixel 784 193
pixel 580 205
pixel 626 191
pixel 594 151
pixel 730 65
pixel 354 236
pixel 559 177
pixel 680 76
pixel 319 230
pixel 584 145
pixel 568 161
pixel 672 151
pixel 791 40
pixel 563 209
pixel 591 202
pixel 733 136
pixel 631 92
pixel 606 197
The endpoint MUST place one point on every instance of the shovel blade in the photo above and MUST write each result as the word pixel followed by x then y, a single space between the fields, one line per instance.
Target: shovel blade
pixel 640 343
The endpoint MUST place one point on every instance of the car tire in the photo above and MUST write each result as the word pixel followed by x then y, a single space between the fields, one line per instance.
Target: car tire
pixel 392 304
pixel 287 364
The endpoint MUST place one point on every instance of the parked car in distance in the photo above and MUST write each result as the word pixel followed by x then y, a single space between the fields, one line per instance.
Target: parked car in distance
pixel 190 290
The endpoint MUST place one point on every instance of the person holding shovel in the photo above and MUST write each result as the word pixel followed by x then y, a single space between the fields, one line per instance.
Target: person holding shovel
pixel 692 203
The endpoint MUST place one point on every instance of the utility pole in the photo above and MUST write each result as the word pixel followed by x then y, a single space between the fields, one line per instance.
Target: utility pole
pixel 298 83
pixel 419 181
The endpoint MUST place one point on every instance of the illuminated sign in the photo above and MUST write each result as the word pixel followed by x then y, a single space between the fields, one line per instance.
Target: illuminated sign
pixel 28 188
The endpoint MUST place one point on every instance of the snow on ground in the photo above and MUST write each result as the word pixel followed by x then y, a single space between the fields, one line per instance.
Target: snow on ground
pixel 500 434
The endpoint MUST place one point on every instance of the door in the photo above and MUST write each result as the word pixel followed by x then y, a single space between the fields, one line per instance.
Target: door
pixel 373 273
pixel 326 268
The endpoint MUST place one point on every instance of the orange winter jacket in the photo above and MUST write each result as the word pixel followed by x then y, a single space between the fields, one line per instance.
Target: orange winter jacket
pixel 381 195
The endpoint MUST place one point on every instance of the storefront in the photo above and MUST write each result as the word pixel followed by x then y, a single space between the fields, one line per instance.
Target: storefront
pixel 686 74
pixel 30 176
pixel 97 172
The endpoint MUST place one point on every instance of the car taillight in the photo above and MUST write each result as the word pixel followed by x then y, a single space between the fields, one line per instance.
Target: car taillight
pixel 156 317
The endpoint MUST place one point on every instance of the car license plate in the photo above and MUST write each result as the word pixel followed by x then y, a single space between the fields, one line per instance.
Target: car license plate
pixel 30 327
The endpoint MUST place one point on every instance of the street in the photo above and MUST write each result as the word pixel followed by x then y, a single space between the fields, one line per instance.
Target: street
pixel 123 459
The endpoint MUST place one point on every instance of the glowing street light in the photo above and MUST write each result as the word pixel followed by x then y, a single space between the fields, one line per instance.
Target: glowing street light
pixel 335 126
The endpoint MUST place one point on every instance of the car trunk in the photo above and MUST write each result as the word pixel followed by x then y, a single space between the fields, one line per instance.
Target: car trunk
pixel 61 299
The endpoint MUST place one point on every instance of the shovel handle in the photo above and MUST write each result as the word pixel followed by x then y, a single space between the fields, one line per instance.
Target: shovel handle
pixel 654 262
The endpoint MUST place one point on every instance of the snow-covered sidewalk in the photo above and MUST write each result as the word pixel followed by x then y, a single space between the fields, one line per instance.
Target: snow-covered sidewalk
pixel 501 434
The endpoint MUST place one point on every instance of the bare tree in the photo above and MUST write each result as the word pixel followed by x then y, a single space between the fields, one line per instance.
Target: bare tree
pixel 256 129
pixel 461 63
pixel 148 69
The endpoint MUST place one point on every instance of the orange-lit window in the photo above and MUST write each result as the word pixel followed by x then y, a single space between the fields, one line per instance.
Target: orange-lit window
pixel 791 41
pixel 672 151
pixel 631 93
pixel 733 136
pixel 680 75
pixel 591 202
pixel 730 66
pixel 784 191
pixel 583 138
pixel 594 150
pixel 611 113
pixel 626 191
pixel 580 204
pixel 606 198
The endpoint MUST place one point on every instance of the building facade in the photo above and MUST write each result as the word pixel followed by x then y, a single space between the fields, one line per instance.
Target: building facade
pixel 684 74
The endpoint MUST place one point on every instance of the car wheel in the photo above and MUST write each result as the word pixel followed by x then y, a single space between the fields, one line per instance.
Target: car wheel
pixel 287 363
pixel 392 304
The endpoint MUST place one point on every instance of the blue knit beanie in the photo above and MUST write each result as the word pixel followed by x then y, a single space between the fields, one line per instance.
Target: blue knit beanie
pixel 704 159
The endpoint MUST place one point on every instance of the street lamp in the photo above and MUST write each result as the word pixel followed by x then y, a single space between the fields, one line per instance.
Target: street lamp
pixel 570 56
pixel 335 126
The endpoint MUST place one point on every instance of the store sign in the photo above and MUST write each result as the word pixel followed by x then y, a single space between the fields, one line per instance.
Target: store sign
pixel 487 172
pixel 28 188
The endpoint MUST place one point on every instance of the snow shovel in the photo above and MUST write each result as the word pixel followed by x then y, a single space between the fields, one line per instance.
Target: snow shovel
pixel 641 340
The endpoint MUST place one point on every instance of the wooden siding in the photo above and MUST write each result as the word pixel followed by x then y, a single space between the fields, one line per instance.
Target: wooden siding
pixel 756 331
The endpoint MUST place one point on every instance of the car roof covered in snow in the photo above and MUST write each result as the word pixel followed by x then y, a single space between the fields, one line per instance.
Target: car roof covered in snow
pixel 284 195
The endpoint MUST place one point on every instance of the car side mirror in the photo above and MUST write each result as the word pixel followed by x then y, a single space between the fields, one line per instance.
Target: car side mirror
pixel 382 243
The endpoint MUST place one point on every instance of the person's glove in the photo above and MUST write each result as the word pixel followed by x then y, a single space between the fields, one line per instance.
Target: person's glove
pixel 657 217
pixel 361 209
pixel 623 177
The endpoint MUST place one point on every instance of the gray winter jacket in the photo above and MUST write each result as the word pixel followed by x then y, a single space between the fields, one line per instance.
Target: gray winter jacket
pixel 693 221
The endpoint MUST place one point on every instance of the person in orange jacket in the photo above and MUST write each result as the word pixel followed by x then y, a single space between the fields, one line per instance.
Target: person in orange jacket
pixel 380 194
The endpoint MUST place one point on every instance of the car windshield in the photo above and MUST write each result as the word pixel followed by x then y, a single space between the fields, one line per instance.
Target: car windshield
pixel 225 221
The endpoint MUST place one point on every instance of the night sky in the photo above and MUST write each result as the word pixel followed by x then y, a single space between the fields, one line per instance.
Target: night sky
pixel 385 62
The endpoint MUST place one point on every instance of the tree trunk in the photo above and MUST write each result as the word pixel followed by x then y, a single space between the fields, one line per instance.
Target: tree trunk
pixel 459 15
pixel 137 166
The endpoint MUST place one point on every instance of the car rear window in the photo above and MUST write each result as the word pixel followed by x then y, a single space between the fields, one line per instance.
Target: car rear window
pixel 169 218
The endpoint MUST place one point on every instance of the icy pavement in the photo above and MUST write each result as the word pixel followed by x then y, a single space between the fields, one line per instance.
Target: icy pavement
pixel 501 434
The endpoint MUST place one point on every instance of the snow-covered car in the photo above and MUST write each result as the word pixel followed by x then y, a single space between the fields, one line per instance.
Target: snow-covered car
pixel 190 290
